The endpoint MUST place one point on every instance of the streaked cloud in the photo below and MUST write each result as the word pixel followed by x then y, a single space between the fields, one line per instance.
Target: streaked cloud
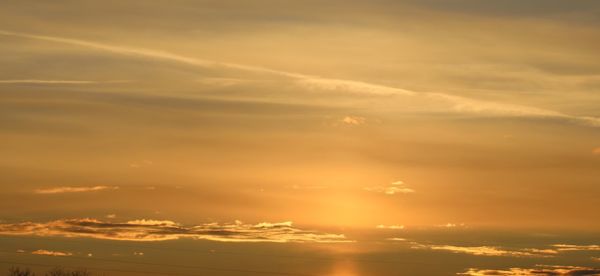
pixel 489 250
pixel 451 225
pixel 538 270
pixel 381 226
pixel 69 189
pixel 161 230
pixel 140 164
pixel 571 247
pixel 397 239
pixel 397 187
pixel 453 103
pixel 48 81
pixel 152 222
pixel 355 87
pixel 51 253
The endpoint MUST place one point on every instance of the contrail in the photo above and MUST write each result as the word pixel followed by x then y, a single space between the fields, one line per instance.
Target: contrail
pixel 457 103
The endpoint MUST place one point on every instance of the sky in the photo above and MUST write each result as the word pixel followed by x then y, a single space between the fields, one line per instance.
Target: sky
pixel 283 137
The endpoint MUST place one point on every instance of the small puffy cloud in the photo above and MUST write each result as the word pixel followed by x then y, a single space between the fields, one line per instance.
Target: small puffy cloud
pixel 381 226
pixel 68 189
pixel 354 120
pixel 111 216
pixel 538 270
pixel 161 230
pixel 138 253
pixel 571 247
pixel 396 187
pixel 51 253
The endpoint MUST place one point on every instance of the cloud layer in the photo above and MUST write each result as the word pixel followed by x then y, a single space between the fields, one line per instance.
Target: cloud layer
pixel 161 230
pixel 451 103
pixel 539 270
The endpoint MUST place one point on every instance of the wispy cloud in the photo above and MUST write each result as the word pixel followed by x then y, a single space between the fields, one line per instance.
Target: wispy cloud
pixel 572 247
pixel 48 81
pixel 489 250
pixel 381 226
pixel 451 225
pixel 397 187
pixel 51 253
pixel 67 189
pixel 538 270
pixel 397 239
pixel 353 120
pixel 160 230
pixel 453 103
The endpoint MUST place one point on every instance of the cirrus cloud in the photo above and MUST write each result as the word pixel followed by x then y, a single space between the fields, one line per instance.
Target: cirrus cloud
pixel 69 189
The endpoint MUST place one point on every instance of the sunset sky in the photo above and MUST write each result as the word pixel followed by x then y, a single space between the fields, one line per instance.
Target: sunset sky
pixel 279 137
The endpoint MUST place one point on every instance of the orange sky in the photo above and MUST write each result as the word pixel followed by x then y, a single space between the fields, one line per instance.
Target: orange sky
pixel 332 115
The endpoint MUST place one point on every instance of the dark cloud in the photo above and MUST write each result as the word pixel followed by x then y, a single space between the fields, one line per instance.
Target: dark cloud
pixel 539 270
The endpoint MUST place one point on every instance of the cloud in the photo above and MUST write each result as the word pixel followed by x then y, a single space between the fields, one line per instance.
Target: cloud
pixel 456 103
pixel 396 239
pixel 161 230
pixel 394 188
pixel 111 216
pixel 143 163
pixel 65 189
pixel 152 222
pixel 355 87
pixel 489 250
pixel 539 270
pixel 48 81
pixel 596 151
pixel 571 247
pixel 354 120
pixel 381 226
pixel 51 253
pixel 451 225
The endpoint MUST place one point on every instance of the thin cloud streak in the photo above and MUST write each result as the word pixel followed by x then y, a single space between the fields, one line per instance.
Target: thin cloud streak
pixel 51 253
pixel 572 247
pixel 489 250
pixel 458 104
pixel 62 190
pixel 48 81
pixel 161 230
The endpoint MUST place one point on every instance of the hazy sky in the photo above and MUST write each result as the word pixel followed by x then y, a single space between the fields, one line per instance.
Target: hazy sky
pixel 170 120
